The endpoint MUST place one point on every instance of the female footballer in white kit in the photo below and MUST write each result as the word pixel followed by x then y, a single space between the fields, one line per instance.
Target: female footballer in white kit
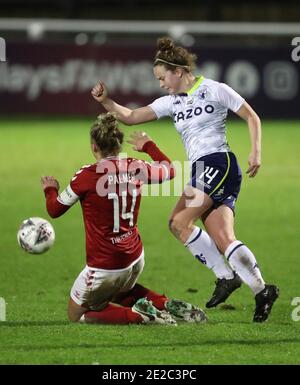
pixel 199 107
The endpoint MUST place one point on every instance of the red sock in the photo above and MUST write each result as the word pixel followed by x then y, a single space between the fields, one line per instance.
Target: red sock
pixel 139 291
pixel 113 314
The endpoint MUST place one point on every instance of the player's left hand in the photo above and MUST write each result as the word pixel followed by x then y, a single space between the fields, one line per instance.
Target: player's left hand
pixel 49 181
pixel 254 162
pixel 138 139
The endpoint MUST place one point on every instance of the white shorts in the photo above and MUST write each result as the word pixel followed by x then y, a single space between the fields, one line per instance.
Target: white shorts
pixel 94 288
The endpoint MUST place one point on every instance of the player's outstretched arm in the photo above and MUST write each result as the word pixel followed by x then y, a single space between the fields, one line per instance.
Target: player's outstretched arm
pixel 163 169
pixel 51 186
pixel 254 160
pixel 124 114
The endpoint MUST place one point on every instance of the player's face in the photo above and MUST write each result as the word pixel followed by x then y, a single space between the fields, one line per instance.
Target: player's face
pixel 168 80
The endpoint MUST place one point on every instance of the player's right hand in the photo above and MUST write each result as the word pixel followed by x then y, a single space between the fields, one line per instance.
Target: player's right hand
pixel 138 139
pixel 99 92
pixel 254 162
pixel 49 181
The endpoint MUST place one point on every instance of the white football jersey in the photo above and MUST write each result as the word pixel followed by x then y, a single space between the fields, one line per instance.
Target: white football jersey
pixel 200 115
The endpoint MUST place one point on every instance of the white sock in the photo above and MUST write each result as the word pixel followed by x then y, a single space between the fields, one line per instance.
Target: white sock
pixel 202 246
pixel 242 260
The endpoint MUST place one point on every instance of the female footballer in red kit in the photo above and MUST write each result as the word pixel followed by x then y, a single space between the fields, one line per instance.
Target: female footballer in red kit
pixel 109 191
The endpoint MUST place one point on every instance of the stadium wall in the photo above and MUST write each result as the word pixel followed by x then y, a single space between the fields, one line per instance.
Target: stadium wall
pixel 44 78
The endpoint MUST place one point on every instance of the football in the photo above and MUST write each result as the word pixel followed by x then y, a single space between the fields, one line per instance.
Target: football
pixel 36 235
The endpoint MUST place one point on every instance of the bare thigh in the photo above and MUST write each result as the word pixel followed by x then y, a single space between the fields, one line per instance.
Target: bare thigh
pixel 219 224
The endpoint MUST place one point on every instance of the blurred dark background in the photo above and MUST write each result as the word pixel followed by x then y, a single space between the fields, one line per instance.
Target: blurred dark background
pixel 56 51
pixel 212 10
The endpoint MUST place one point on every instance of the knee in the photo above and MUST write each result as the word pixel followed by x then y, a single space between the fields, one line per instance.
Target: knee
pixel 73 317
pixel 179 229
pixel 74 311
pixel 175 226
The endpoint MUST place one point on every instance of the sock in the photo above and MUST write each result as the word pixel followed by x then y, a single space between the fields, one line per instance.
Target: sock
pixel 138 291
pixel 242 260
pixel 112 314
pixel 202 246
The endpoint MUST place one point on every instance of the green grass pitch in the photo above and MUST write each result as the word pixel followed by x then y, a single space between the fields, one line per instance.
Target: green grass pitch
pixel 36 288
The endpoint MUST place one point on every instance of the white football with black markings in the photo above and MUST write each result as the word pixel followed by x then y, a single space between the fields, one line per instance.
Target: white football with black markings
pixel 36 235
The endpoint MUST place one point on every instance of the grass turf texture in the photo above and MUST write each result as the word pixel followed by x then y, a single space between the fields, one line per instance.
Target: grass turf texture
pixel 36 288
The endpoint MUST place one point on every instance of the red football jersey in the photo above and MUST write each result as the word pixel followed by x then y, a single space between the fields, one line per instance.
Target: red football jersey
pixel 110 192
pixel 110 201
